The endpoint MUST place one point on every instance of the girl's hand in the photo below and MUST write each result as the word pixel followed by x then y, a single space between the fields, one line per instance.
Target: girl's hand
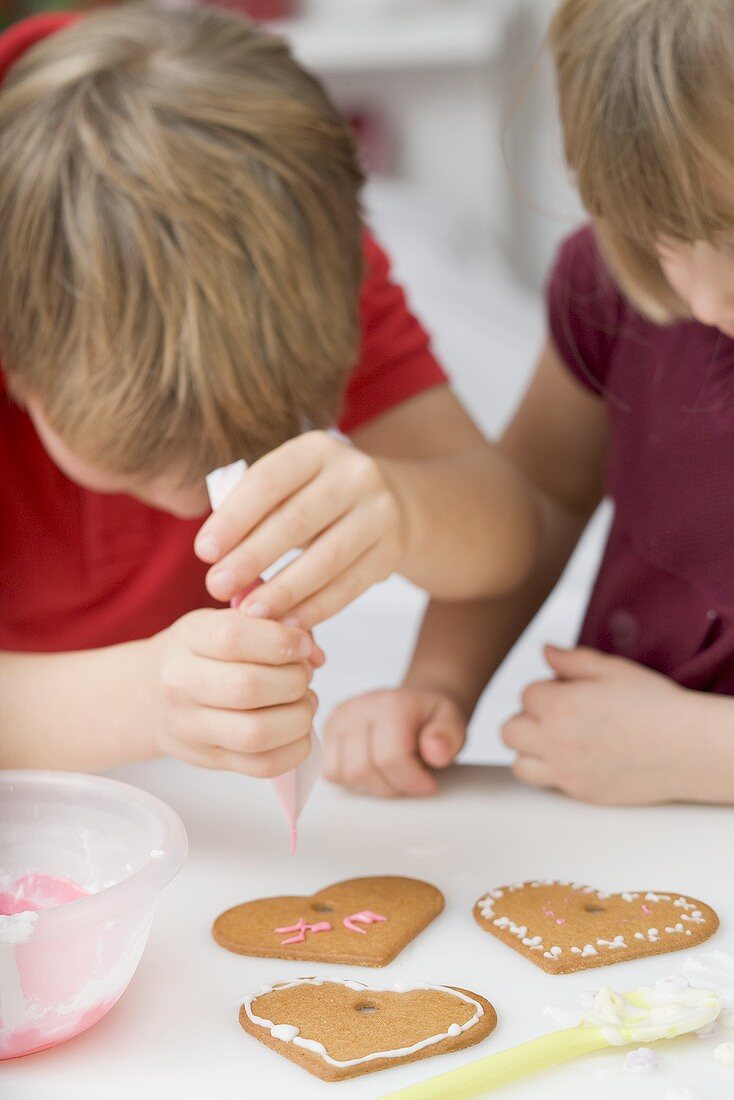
pixel 607 730
pixel 226 691
pixel 317 493
pixel 386 743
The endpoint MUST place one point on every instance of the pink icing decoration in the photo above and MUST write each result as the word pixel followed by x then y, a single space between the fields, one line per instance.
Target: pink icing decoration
pixel 646 909
pixel 365 916
pixel 38 891
pixel 301 927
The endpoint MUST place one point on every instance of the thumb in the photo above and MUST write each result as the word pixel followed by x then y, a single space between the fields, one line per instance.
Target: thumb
pixel 440 741
pixel 579 663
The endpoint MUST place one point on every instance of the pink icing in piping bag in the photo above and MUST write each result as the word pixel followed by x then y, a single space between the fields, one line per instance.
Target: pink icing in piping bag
pixel 293 788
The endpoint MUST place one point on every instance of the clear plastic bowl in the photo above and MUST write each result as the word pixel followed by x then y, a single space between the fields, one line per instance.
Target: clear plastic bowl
pixel 64 968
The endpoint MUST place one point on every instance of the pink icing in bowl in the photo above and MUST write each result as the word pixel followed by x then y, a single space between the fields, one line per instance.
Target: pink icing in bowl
pixel 82 862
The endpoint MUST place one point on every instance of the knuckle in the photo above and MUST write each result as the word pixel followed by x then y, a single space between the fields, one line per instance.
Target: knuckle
pixel 390 756
pixel 282 595
pixel 255 734
pixel 530 696
pixel 299 521
pixel 172 682
pixel 507 733
pixel 227 635
pixel 317 439
pixel 332 557
pixel 243 687
pixel 365 471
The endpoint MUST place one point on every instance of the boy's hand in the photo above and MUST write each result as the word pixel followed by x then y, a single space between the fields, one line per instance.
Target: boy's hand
pixel 607 730
pixel 317 493
pixel 386 743
pixel 232 692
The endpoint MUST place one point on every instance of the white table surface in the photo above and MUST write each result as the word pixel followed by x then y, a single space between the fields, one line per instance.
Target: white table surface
pixel 174 1034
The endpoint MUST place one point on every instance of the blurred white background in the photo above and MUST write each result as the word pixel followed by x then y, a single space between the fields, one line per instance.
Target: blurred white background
pixel 454 99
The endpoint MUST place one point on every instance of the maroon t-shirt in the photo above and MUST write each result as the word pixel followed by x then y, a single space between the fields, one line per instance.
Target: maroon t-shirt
pixel 664 595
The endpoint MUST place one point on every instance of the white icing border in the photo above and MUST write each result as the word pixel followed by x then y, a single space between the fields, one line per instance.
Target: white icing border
pixel 286 1032
pixel 486 905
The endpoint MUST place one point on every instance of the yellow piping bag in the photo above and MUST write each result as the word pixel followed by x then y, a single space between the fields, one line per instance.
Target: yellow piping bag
pixel 665 1010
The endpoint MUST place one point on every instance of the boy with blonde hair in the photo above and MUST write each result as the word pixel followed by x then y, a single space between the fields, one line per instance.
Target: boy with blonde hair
pixel 186 281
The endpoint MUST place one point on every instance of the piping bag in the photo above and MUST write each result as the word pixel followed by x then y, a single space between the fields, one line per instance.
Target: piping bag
pixel 293 788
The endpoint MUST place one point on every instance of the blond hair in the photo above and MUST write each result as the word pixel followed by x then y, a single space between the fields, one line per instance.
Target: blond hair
pixel 646 91
pixel 180 240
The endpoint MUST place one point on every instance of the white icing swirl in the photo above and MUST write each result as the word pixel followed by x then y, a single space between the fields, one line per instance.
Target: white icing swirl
pixel 660 1011
pixel 290 1033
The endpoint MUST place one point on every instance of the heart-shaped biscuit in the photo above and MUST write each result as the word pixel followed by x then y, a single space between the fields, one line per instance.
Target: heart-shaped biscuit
pixel 360 922
pixel 338 1029
pixel 564 926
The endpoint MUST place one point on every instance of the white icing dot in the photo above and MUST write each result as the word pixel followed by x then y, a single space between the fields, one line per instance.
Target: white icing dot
pixel 618 941
pixel 285 1032
pixel 454 1030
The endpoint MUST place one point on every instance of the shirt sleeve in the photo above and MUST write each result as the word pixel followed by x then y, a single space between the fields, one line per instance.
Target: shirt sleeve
pixel 585 310
pixel 395 357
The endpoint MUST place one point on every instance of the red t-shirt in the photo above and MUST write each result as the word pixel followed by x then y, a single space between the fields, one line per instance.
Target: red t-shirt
pixel 664 595
pixel 82 569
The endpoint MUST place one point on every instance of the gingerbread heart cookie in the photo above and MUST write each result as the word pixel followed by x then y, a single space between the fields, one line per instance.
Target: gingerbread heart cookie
pixel 338 1029
pixel 564 926
pixel 360 922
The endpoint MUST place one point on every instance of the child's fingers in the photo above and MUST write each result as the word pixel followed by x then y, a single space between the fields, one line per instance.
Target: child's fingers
pixel 441 740
pixel 393 750
pixel 257 731
pixel 371 567
pixel 579 663
pixel 227 635
pixel 326 558
pixel 265 765
pixel 522 734
pixel 533 771
pixel 358 769
pixel 230 685
pixel 295 523
pixel 268 482
pixel 346 751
